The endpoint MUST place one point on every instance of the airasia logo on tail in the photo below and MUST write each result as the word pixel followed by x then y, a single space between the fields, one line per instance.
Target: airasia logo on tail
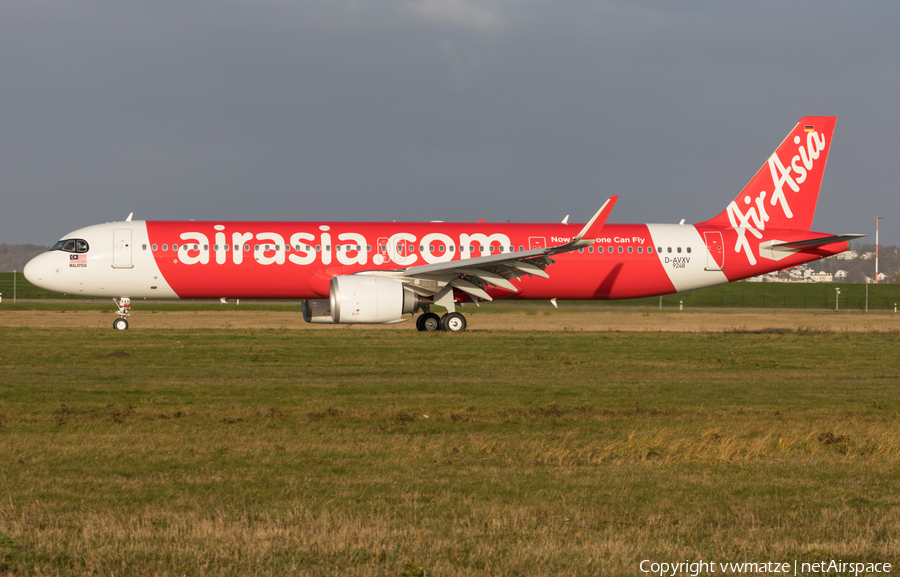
pixel 792 175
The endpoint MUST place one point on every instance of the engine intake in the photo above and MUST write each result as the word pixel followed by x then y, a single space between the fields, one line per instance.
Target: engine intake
pixel 370 299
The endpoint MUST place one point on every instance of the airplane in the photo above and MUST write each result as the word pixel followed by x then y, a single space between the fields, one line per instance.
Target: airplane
pixel 369 272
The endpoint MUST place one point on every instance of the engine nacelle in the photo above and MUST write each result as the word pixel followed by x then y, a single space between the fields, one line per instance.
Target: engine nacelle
pixel 317 311
pixel 370 299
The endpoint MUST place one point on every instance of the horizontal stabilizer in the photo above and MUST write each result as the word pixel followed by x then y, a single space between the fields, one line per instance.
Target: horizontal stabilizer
pixel 814 242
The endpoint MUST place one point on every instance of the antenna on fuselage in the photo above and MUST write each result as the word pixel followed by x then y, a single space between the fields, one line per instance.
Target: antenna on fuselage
pixel 130 214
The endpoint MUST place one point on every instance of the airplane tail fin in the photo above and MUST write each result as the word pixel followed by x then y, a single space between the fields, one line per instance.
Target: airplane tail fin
pixel 784 192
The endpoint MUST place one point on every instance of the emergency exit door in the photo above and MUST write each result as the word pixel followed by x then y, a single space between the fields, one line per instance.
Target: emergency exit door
pixel 122 247
pixel 536 242
pixel 715 255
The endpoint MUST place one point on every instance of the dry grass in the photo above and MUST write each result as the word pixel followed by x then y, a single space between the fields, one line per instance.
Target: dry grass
pixel 495 317
pixel 380 453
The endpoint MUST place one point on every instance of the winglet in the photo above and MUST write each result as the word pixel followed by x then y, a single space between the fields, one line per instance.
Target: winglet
pixel 593 227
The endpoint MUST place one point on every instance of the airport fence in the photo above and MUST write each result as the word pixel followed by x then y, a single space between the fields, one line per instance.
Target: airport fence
pixel 781 295
pixel 733 295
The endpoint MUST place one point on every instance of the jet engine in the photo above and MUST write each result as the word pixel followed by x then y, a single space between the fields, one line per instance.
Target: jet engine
pixel 317 311
pixel 361 299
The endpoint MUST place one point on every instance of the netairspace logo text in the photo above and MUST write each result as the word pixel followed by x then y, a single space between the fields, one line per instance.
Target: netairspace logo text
pixel 701 567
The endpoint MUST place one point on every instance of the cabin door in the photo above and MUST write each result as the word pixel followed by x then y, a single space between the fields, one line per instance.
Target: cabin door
pixel 715 256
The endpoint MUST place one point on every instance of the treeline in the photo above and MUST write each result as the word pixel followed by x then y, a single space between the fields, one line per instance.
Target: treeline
pixel 15 256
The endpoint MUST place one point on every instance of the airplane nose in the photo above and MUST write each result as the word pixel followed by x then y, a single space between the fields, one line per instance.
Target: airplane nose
pixel 34 271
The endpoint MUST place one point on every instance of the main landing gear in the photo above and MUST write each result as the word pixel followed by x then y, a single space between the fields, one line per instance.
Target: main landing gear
pixel 124 304
pixel 450 322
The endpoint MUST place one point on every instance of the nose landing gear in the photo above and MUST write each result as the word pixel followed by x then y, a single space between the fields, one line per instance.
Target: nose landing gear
pixel 124 304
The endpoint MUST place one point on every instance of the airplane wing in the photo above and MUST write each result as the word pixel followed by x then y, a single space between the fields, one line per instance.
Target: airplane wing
pixel 472 276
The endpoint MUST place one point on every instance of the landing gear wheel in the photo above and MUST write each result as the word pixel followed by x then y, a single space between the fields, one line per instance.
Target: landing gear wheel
pixel 120 324
pixel 453 322
pixel 428 322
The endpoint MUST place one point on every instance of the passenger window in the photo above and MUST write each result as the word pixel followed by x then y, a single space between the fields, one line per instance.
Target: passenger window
pixel 154 247
pixel 599 249
pixel 175 247
pixel 689 249
pixel 521 248
pixel 226 247
pixel 256 247
pixel 441 248
pixel 640 250
pixel 590 249
pixel 581 250
pixel 679 250
pixel 451 248
pixel 337 248
pixel 610 248
pixel 649 249
pixel 368 248
pixel 144 246
pixel 318 248
pixel 246 248
pixel 480 249
pixel 327 247
pixel 205 247
pixel 421 248
pixel 630 249
pixel 215 247
pixel 165 247
pixel 471 248
pixel 196 247
pixel 430 248
pixel 620 250
pixel 669 249
pixel 277 247
pixel 358 248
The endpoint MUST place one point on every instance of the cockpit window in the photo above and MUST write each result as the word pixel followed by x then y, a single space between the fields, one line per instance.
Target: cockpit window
pixel 71 245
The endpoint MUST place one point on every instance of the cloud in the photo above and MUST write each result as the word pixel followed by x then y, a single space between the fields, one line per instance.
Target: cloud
pixel 455 14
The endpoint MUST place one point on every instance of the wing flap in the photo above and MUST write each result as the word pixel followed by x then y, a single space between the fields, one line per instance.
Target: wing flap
pixel 471 289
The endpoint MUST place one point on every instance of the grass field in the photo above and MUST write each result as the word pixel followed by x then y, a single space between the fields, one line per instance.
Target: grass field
pixel 734 295
pixel 266 452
